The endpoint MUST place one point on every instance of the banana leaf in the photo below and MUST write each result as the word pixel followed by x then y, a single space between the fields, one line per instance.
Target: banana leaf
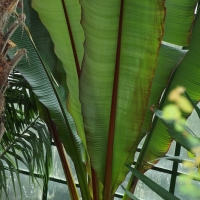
pixel 110 60
pixel 116 76
pixel 186 75
pixel 178 26
pixel 109 44
pixel 68 48
pixel 53 96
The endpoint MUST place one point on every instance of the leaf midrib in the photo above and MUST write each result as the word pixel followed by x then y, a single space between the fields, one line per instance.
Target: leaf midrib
pixel 71 40
pixel 109 156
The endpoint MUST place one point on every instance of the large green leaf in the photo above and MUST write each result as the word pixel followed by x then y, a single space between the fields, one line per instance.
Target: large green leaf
pixel 66 167
pixel 187 75
pixel 137 46
pixel 57 26
pixel 43 43
pixel 178 22
pixel 136 58
pixel 54 98
pixel 168 59
pixel 68 40
pixel 196 108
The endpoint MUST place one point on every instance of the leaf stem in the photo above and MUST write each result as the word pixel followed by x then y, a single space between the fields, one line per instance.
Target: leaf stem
pixel 66 168
pixel 95 185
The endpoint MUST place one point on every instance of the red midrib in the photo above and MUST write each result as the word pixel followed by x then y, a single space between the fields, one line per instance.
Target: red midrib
pixel 72 40
pixel 109 156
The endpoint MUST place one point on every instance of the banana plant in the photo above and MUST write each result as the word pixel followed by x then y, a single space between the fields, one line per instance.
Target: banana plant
pixel 98 67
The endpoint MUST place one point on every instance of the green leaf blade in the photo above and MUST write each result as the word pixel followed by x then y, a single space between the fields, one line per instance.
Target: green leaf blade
pixel 187 75
pixel 96 82
pixel 179 21
pixel 129 194
pixel 54 98
pixel 168 59
pixel 53 18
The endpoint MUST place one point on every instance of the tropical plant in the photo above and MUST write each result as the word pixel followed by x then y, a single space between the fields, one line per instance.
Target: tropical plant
pixel 113 60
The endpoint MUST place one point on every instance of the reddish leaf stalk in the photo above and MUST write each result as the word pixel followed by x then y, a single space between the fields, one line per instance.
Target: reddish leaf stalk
pixel 95 185
pixel 64 162
pixel 109 157
pixel 72 40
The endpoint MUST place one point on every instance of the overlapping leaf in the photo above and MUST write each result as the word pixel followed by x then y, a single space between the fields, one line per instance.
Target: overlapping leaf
pixel 178 23
pixel 138 55
pixel 53 17
pixel 54 98
pixel 186 75
pixel 168 59
pixel 137 58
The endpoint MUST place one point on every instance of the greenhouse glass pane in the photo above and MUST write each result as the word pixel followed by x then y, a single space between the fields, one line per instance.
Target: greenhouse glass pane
pixel 184 192
pixel 57 171
pixel 57 191
pixel 181 168
pixel 142 142
pixel 144 192
pixel 30 191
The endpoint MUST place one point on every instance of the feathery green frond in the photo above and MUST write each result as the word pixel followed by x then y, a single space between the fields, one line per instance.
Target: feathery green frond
pixel 30 148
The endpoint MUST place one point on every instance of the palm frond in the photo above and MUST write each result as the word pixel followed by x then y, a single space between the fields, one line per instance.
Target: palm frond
pixel 20 106
pixel 30 148
pixel 26 140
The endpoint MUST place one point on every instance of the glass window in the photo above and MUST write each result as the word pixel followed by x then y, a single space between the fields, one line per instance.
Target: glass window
pixel 57 191
pixel 57 170
pixel 30 191
pixel 144 192
pixel 180 194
